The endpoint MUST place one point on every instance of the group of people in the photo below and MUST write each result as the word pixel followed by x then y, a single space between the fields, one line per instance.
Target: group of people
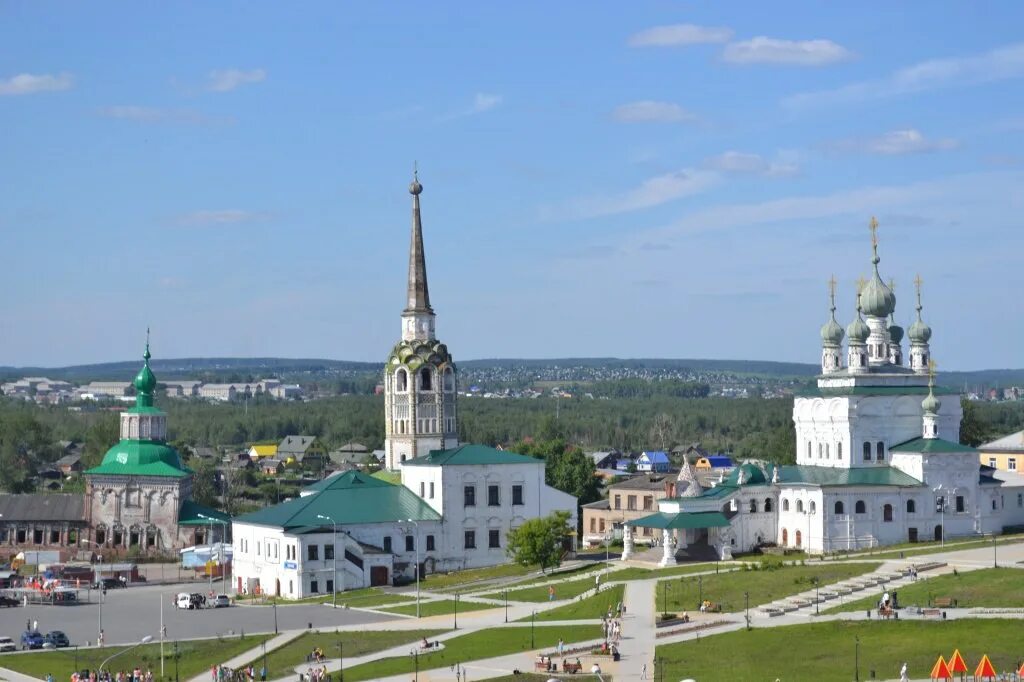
pixel 317 654
pixel 315 674
pixel 222 673
pixel 136 674
pixel 611 622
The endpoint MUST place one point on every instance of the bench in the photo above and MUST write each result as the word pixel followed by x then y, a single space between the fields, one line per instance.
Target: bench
pixel 885 613
pixel 572 668
pixel 944 602
pixel 712 607
pixel 932 612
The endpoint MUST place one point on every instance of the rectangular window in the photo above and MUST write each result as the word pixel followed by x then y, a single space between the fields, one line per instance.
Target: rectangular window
pixel 430 543
pixel 631 503
pixel 314 586
pixel 992 462
pixel 312 552
pixel 493 539
pixel 648 502
pixel 839 450
pixel 431 490
pixel 1011 464
pixel 37 537
pixel 469 496
pixel 647 532
pixel 600 525
pixel 517 495
pixel 410 543
pixel 960 503
pixel 593 524
pixel 493 498
pixel 328 552
pixel 423 489
pixel 618 502
pixel 54 537
pixel 470 542
pixel 387 543
pixel 867 451
pixel 257 547
pixel 330 586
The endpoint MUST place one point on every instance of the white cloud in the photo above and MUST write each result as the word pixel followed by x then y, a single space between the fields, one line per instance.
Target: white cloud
pixel 652 192
pixel 28 83
pixel 764 50
pixel 1002 63
pixel 676 35
pixel 139 114
pixel 753 164
pixel 485 102
pixel 226 80
pixel 229 216
pixel 896 143
pixel 646 111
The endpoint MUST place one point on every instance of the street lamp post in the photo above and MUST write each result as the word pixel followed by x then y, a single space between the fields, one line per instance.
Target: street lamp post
pixel 856 659
pixel 275 616
pixel 746 607
pixel 817 600
pixel 456 625
pixel 334 580
pixel 416 658
pixel 995 558
pixel 341 660
pixel 416 546
pixel 533 617
pixel 145 640
pixel 506 604
pixel 700 590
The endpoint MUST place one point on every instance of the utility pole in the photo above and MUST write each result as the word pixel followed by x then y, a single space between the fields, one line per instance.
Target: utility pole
pixel 506 604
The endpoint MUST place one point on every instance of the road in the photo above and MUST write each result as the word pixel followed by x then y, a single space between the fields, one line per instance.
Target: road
pixel 131 613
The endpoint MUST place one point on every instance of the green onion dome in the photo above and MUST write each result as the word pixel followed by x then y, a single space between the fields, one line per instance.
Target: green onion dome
pixel 416 353
pixel 832 333
pixel 919 332
pixel 858 330
pixel 877 299
pixel 145 380
pixel 895 333
pixel 931 403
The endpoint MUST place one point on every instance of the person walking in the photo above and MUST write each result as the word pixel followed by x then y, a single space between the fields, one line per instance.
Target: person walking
pixel 643 672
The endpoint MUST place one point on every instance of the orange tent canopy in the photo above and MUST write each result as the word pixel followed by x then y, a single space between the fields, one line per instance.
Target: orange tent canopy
pixel 940 671
pixel 1021 671
pixel 956 663
pixel 984 668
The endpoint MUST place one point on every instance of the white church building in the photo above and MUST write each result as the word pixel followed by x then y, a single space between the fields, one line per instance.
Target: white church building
pixel 453 509
pixel 878 458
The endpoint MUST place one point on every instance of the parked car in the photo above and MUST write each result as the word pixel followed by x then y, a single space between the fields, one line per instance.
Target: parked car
pixel 7 644
pixel 109 583
pixel 31 639
pixel 57 639
pixel 8 601
pixel 195 600
pixel 221 600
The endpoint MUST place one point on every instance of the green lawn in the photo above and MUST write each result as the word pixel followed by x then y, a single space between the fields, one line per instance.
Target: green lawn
pixel 918 549
pixel 194 657
pixel 985 587
pixel 473 647
pixel 440 581
pixel 533 677
pixel 727 589
pixel 556 574
pixel 637 573
pixel 593 606
pixel 825 652
pixel 437 608
pixel 281 662
pixel 367 596
pixel 566 590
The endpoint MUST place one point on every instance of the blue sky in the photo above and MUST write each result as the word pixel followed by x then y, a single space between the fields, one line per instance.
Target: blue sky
pixel 660 179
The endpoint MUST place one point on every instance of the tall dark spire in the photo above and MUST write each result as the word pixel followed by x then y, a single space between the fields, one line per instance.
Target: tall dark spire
pixel 418 298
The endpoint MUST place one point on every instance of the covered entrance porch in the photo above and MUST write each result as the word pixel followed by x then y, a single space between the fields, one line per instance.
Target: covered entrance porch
pixel 687 536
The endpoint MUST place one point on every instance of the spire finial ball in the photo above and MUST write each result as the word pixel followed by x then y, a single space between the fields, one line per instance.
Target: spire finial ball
pixel 415 188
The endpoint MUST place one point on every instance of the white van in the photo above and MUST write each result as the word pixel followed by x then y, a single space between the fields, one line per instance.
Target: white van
pixel 184 600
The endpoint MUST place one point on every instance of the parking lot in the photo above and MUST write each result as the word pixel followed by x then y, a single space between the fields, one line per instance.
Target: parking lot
pixel 131 613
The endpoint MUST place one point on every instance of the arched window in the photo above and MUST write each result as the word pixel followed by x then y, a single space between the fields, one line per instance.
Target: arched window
pixel 839 450
pixel 813 507
pixel 785 537
pixel 808 449
pixel 799 506
pixel 859 508
pixel 767 504
pixel 799 540
pixel 827 448
pixel 401 381
pixel 867 451
pixel 449 380
pixel 887 512
pixel 880 451
pixel 753 506
pixel 426 383
pixel 839 507
pixel 821 450
pixel 785 505
pixel 911 507
pixel 403 458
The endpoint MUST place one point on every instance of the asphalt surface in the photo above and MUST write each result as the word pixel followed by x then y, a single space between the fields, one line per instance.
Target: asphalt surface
pixel 131 613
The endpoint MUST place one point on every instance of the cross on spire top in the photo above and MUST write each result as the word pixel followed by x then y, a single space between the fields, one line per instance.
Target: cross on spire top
pixel 917 285
pixel 832 292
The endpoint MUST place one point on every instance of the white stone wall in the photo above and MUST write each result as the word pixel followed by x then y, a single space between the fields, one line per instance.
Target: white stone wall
pixel 143 504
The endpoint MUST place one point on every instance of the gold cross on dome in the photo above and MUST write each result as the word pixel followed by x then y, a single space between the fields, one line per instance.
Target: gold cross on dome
pixel 861 283
pixel 832 289
pixel 873 226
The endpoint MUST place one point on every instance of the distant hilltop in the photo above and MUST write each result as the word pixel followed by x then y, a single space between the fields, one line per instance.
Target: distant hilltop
pixel 567 369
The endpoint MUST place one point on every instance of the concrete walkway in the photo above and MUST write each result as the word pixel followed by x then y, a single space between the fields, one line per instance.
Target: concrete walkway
pixel 637 646
pixel 254 654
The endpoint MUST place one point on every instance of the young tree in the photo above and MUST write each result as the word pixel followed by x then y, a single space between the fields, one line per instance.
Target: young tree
pixel 539 541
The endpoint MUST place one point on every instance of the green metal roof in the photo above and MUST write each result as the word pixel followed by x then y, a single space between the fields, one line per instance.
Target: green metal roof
pixel 192 513
pixel 141 458
pixel 681 520
pixel 818 392
pixel 720 490
pixel 931 445
pixel 470 454
pixel 350 498
pixel 829 476
pixel 752 475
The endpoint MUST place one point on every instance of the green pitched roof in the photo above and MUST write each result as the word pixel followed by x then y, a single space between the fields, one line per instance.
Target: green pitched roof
pixel 141 458
pixel 470 454
pixel 192 513
pixel 349 498
pixel 681 520
pixel 931 445
pixel 829 476
pixel 752 475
